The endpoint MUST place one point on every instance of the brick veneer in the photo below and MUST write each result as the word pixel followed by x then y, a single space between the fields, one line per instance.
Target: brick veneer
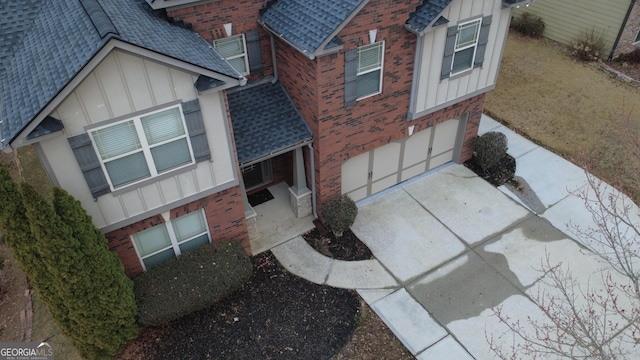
pixel 317 88
pixel 225 218
pixel 208 20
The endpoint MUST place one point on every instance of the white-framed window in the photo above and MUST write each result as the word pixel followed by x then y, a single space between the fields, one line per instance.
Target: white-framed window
pixel 166 241
pixel 466 45
pixel 637 39
pixel 142 147
pixel 369 75
pixel 234 50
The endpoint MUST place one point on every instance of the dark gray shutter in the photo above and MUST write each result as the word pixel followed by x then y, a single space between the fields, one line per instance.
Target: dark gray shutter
pixel 254 52
pixel 449 50
pixel 89 165
pixel 483 39
pixel 195 126
pixel 350 76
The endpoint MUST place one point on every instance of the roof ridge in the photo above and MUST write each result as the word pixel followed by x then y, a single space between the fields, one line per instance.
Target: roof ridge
pixel 99 18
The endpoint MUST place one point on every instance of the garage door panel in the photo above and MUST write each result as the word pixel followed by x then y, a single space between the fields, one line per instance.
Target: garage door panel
pixel 355 173
pixel 416 148
pixel 445 136
pixel 441 159
pixel 414 171
pixel 385 160
pixel 382 184
pixel 358 194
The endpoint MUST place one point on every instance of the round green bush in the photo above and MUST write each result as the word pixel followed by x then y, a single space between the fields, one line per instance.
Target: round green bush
pixel 528 24
pixel 490 148
pixel 340 213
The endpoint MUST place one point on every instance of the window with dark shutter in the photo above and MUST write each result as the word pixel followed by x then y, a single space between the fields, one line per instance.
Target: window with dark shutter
pixel 254 51
pixel 465 46
pixel 89 165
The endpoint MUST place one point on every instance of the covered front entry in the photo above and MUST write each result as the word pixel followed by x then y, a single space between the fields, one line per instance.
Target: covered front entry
pixel 270 138
pixel 391 164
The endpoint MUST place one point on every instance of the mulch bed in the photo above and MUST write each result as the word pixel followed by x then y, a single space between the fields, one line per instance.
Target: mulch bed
pixel 275 315
pixel 346 247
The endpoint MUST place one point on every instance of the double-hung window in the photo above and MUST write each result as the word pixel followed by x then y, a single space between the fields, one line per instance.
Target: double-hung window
pixel 234 50
pixel 143 147
pixel 166 241
pixel 466 44
pixel 369 75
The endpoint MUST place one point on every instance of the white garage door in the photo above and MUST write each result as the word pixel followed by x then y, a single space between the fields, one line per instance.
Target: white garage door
pixel 388 165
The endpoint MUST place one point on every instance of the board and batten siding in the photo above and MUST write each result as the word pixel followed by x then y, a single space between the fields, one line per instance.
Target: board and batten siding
pixel 565 20
pixel 430 93
pixel 124 84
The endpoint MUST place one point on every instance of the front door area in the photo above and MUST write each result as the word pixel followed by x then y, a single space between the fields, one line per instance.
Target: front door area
pixel 391 164
pixel 258 174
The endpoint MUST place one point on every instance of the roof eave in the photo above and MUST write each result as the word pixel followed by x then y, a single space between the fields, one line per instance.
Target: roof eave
pixel 307 53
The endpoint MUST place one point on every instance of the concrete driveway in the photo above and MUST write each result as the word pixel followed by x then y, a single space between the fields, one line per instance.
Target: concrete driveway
pixel 449 248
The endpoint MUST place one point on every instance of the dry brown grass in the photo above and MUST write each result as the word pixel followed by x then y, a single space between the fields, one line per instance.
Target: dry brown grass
pixel 572 108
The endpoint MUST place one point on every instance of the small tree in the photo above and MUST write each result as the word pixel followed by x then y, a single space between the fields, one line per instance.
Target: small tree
pixel 586 322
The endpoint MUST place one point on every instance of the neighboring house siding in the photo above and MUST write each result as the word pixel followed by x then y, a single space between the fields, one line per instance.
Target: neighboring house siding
pixel 121 85
pixel 567 19
pixel 430 92
pixel 627 41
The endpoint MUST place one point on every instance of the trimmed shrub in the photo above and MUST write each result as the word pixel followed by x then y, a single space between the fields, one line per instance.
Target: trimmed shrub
pixel 340 213
pixel 588 46
pixel 490 148
pixel 528 24
pixel 190 282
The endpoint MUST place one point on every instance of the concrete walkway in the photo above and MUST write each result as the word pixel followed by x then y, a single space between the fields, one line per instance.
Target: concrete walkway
pixel 449 247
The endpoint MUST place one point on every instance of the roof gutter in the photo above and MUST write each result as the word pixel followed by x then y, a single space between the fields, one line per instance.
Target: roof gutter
pixel 309 55
pixel 624 24
pixel 277 152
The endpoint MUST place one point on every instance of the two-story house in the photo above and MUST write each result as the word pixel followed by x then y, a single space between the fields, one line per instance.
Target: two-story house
pixel 161 116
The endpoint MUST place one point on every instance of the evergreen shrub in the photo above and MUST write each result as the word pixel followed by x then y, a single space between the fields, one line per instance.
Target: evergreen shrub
pixel 190 282
pixel 340 213
pixel 529 25
pixel 490 148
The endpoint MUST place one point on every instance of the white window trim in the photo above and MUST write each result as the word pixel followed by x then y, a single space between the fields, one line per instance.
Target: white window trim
pixel 474 45
pixel 636 39
pixel 244 53
pixel 175 245
pixel 381 68
pixel 145 147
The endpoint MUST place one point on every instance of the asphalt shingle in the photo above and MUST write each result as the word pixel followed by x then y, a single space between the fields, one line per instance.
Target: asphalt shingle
pixel 425 15
pixel 265 121
pixel 63 37
pixel 306 24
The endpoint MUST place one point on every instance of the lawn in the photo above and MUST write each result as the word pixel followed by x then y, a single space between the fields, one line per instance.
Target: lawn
pixel 575 109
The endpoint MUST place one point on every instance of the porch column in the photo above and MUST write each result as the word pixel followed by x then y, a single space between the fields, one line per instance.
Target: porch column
pixel 249 214
pixel 299 179
pixel 300 193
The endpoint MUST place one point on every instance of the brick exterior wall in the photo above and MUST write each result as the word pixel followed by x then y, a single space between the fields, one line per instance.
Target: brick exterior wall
pixel 208 20
pixel 317 88
pixel 225 218
pixel 627 39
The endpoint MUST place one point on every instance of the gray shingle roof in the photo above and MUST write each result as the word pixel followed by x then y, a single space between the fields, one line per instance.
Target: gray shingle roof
pixel 427 13
pixel 63 38
pixel 12 28
pixel 265 121
pixel 306 24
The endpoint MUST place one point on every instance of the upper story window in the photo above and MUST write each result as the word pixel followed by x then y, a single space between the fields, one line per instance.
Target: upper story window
pixel 466 43
pixel 143 147
pixel 369 74
pixel 234 50
pixel 166 241
pixel 465 46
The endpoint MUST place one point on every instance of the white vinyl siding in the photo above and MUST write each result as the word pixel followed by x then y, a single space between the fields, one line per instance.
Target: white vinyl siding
pixel 234 50
pixel 466 44
pixel 369 75
pixel 143 146
pixel 166 241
